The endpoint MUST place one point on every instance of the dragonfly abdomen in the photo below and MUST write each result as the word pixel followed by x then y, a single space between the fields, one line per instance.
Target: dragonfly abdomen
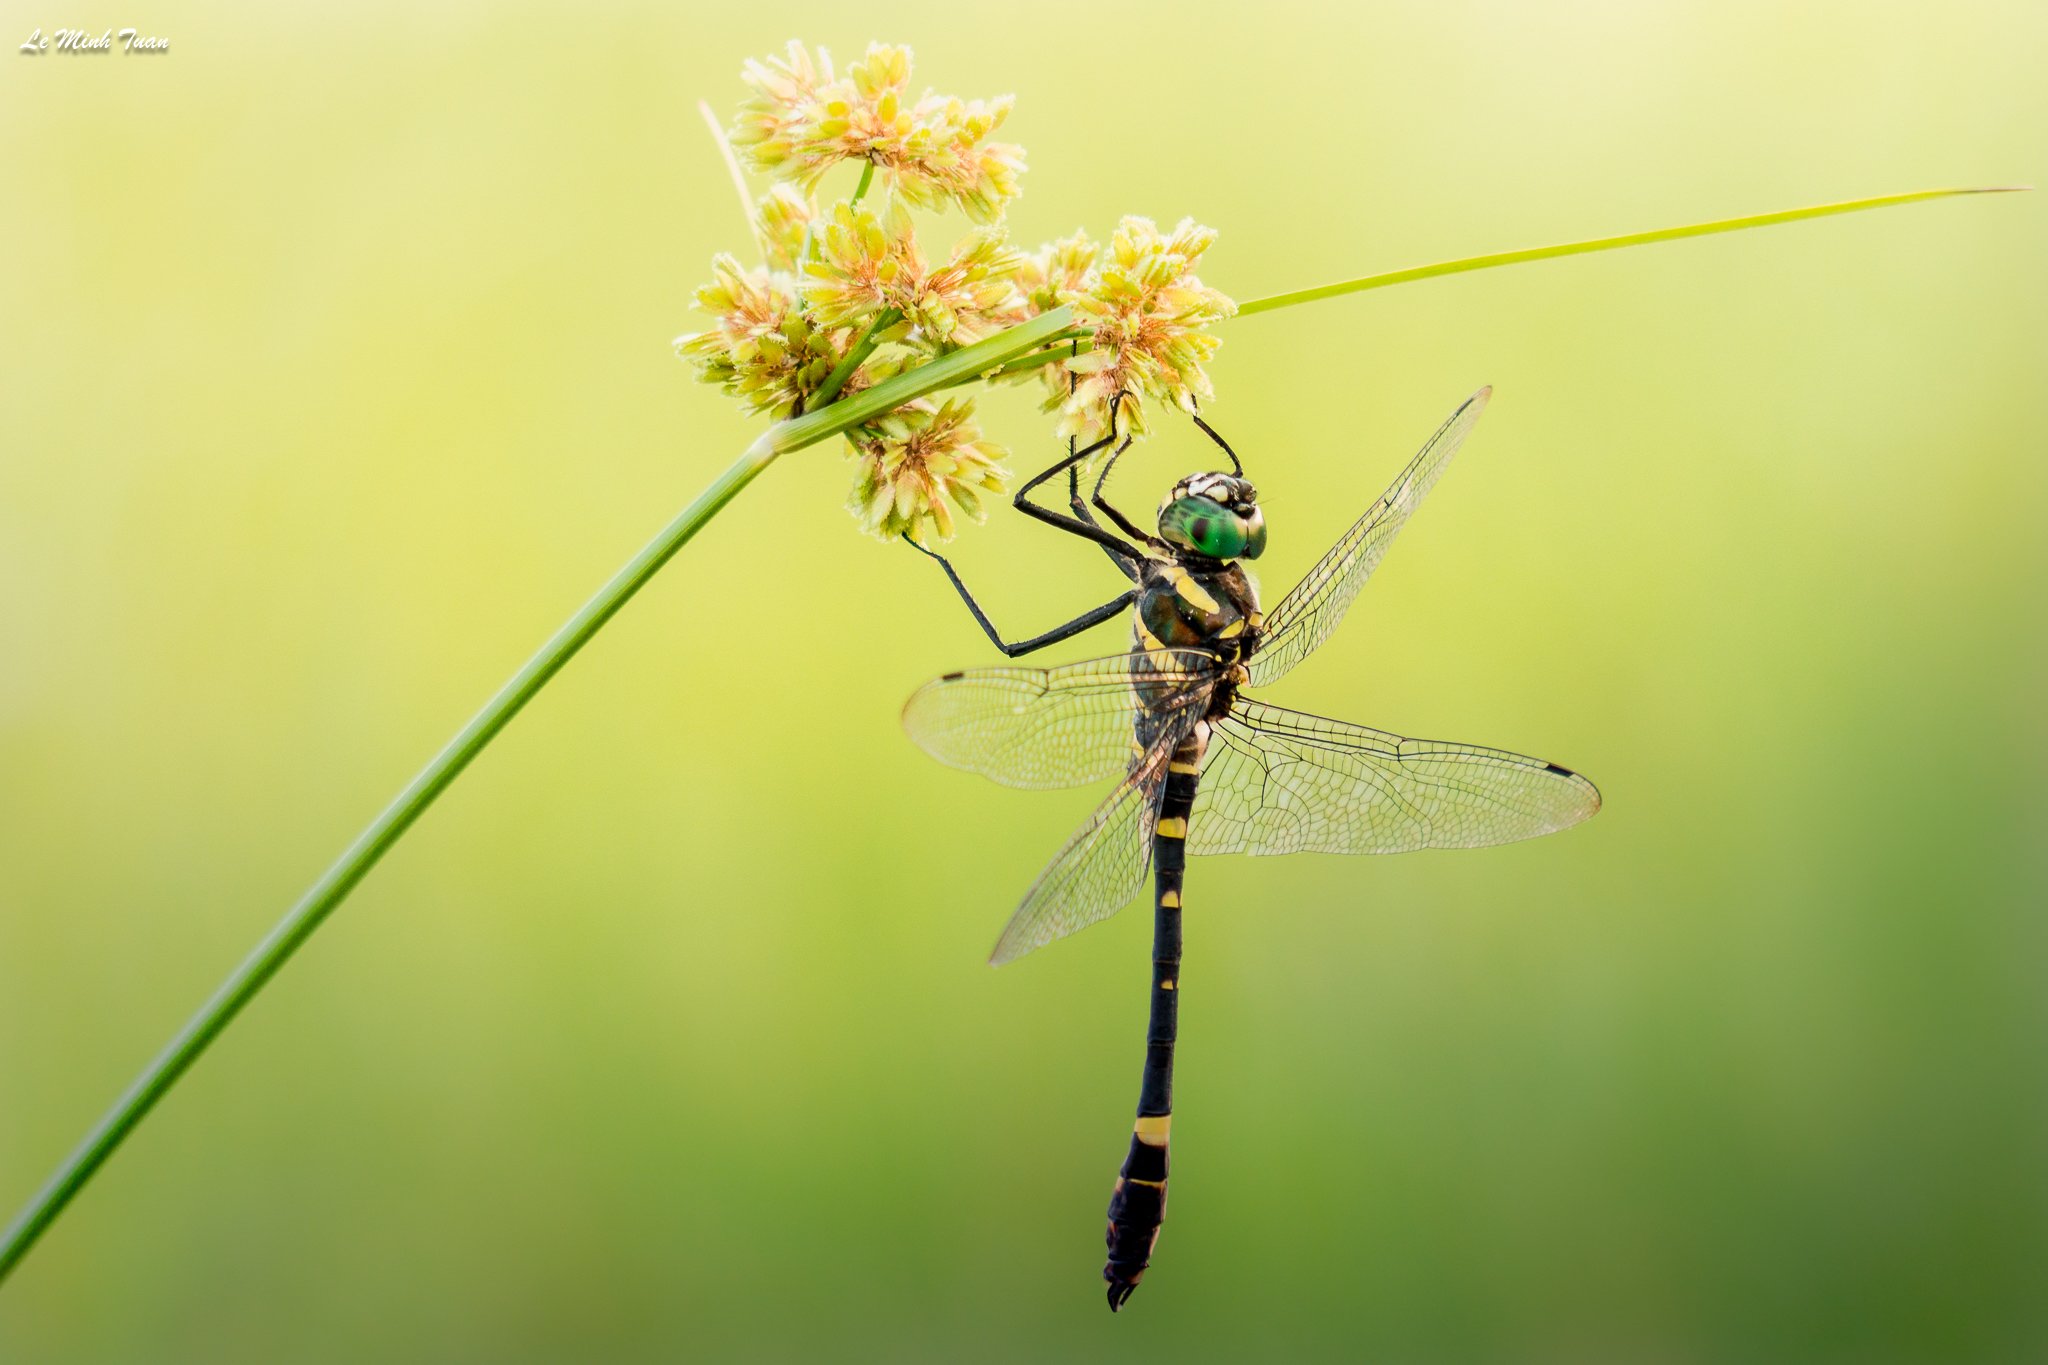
pixel 1137 1207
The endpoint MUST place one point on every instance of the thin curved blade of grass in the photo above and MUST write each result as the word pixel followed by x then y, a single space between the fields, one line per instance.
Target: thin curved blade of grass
pixel 1544 253
pixel 732 168
pixel 334 886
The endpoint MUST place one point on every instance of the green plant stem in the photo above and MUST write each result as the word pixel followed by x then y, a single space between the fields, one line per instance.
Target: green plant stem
pixel 1544 253
pixel 355 863
pixel 808 252
pixel 851 361
pixel 1034 361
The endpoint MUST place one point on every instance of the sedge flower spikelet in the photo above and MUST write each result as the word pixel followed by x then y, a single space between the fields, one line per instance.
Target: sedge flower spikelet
pixel 915 462
pixel 783 220
pixel 1148 315
pixel 763 349
pixel 802 119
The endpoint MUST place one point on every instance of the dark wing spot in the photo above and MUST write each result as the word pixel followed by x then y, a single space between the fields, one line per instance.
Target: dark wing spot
pixel 955 677
pixel 1548 767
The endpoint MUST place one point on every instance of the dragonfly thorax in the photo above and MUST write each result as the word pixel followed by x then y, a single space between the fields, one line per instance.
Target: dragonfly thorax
pixel 1183 605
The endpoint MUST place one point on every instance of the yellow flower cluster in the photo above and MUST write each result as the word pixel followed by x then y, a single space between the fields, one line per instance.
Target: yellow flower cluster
pixel 1057 272
pixel 763 351
pixel 868 263
pixel 933 150
pixel 1147 313
pixel 912 462
pixel 781 221
pixel 846 296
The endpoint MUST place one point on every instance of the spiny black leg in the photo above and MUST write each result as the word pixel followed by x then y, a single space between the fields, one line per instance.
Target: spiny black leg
pixel 1074 470
pixel 1051 637
pixel 1074 488
pixel 1087 529
pixel 1081 511
pixel 1103 478
pixel 1236 466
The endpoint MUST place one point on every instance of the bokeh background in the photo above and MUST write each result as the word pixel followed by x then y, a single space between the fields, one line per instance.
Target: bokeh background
pixel 335 370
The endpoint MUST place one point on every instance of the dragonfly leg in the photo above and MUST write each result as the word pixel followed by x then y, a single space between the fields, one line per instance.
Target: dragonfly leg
pixel 1073 467
pixel 1074 499
pixel 1103 503
pixel 1080 506
pixel 1123 550
pixel 1237 466
pixel 1036 642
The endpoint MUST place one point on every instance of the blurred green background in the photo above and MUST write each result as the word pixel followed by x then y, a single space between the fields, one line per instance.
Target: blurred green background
pixel 335 368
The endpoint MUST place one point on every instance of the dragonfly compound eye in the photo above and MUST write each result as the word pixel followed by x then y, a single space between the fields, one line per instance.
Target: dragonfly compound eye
pixel 1208 528
pixel 1255 538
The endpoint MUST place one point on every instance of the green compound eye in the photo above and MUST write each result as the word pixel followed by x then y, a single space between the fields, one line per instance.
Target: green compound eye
pixel 1209 528
pixel 1255 545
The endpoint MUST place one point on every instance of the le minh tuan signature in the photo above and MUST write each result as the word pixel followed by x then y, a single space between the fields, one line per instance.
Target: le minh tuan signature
pixel 78 40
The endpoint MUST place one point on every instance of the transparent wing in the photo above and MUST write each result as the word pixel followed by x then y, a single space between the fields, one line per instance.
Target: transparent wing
pixel 1055 727
pixel 1104 864
pixel 1306 616
pixel 1281 782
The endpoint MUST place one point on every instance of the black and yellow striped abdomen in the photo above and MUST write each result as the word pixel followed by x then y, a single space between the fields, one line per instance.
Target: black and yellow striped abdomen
pixel 1137 1207
pixel 1183 603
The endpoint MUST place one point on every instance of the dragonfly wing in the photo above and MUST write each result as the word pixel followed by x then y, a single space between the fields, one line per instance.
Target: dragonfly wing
pixel 1306 616
pixel 1282 782
pixel 1054 727
pixel 1104 864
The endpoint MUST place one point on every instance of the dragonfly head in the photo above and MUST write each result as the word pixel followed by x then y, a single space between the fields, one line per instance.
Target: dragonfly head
pixel 1216 515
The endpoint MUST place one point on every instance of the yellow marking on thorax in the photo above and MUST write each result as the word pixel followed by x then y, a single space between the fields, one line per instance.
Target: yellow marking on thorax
pixel 1153 1128
pixel 1258 620
pixel 1231 631
pixel 1174 827
pixel 1190 591
pixel 1170 899
pixel 1156 651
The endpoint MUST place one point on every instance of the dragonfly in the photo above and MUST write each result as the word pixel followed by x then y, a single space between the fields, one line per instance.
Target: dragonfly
pixel 1198 765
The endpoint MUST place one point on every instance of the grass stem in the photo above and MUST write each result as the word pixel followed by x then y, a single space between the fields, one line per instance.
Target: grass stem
pixel 1544 253
pixel 851 361
pixel 334 885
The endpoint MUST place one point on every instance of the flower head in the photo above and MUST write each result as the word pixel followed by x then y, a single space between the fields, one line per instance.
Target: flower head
pixel 1058 272
pixel 864 262
pixel 867 263
pixel 1148 313
pixel 847 297
pixel 802 120
pixel 956 162
pixel 916 459
pixel 781 115
pixel 781 219
pixel 763 350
